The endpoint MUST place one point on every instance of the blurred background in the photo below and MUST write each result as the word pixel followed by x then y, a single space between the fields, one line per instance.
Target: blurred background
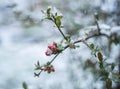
pixel 24 39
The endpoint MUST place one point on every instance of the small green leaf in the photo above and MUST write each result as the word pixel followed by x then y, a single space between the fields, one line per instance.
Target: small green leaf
pixel 101 64
pixel 92 46
pixel 100 56
pixel 108 83
pixel 38 63
pixel 48 63
pixel 60 17
pixel 24 85
pixel 104 72
pixel 38 68
pixel 60 48
pixel 48 13
pixel 71 45
pixel 93 52
pixel 104 78
pixel 36 74
pixel 48 10
pixel 68 38
pixel 56 14
pixel 112 66
pixel 115 77
pixel 58 22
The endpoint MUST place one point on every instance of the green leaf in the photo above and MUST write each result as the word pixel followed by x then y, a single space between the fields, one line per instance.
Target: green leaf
pixel 104 72
pixel 100 56
pixel 60 48
pixel 48 63
pixel 104 78
pixel 38 63
pixel 71 45
pixel 101 64
pixel 112 66
pixel 56 14
pixel 38 68
pixel 60 17
pixel 68 38
pixel 24 85
pixel 58 21
pixel 92 46
pixel 48 13
pixel 36 74
pixel 93 52
pixel 48 10
pixel 108 83
pixel 115 77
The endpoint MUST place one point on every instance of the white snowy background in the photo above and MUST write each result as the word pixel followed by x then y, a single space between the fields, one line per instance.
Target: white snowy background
pixel 24 39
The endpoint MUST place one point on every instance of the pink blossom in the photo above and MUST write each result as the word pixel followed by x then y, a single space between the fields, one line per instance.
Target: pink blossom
pixel 48 52
pixel 54 43
pixel 52 49
pixel 49 69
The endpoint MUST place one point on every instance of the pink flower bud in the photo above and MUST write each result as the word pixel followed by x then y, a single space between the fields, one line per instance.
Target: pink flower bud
pixel 52 49
pixel 48 52
pixel 52 69
pixel 55 44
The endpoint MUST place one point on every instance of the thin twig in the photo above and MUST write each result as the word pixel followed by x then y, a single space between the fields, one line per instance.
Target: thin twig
pixel 86 44
pixel 94 35
pixel 54 58
pixel 54 20
pixel 98 27
pixel 49 62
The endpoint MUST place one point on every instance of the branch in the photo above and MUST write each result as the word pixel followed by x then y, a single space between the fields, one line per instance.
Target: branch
pixel 54 21
pixel 94 35
pixel 49 63
pixel 96 21
pixel 75 42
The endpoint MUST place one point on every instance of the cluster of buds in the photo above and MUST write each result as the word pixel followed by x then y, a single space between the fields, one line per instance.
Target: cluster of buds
pixel 46 68
pixel 49 68
pixel 52 49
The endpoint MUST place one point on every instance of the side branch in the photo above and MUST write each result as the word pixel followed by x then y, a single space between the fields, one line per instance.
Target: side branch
pixel 94 35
